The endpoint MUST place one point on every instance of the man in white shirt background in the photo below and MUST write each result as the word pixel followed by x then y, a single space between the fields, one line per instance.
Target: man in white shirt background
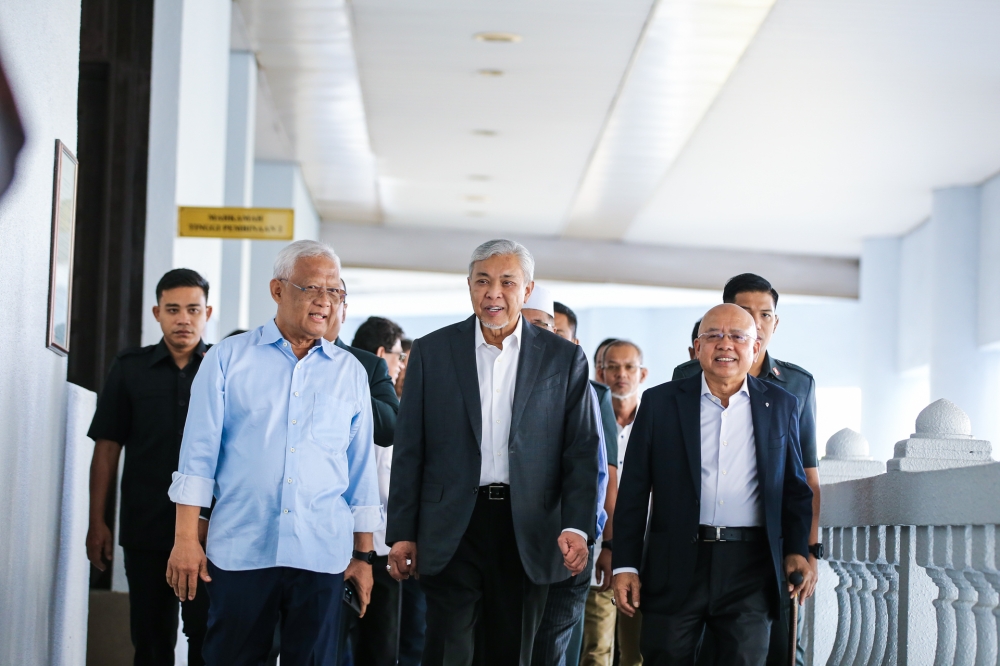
pixel 625 374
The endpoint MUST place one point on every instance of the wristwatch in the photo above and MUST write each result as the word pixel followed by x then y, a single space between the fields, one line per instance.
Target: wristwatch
pixel 607 544
pixel 817 550
pixel 368 557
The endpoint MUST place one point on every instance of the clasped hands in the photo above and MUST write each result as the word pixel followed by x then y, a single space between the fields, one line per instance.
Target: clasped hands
pixel 403 556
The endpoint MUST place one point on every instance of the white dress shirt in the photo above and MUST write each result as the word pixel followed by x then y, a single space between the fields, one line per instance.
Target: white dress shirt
pixel 730 494
pixel 497 371
pixel 624 432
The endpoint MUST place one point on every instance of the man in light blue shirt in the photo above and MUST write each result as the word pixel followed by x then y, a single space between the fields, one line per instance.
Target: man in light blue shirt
pixel 280 432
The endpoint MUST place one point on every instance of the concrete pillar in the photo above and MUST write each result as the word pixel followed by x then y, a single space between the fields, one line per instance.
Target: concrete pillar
pixel 883 415
pixel 276 185
pixel 234 289
pixel 187 141
pixel 959 371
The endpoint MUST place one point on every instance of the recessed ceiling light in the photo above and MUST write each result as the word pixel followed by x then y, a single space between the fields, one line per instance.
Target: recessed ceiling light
pixel 479 176
pixel 498 37
pixel 484 132
pixel 475 197
pixel 490 72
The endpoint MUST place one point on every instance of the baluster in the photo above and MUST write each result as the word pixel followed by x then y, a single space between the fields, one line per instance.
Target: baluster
pixel 866 599
pixel 889 568
pixel 836 561
pixel 875 556
pixel 965 619
pixel 934 554
pixel 985 610
pixel 853 595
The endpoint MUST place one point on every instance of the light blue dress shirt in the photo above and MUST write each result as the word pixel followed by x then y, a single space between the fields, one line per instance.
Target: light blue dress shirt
pixel 286 447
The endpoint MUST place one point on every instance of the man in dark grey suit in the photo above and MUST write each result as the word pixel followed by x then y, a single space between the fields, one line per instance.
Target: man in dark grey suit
pixel 493 492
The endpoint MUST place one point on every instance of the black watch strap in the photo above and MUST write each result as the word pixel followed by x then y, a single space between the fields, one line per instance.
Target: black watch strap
pixel 368 557
pixel 817 550
pixel 607 544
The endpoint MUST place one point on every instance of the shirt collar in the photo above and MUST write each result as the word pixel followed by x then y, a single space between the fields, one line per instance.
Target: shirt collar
pixel 162 351
pixel 706 391
pixel 270 334
pixel 516 335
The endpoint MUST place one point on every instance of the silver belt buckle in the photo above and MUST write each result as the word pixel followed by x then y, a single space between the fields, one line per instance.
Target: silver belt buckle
pixel 718 533
pixel 495 492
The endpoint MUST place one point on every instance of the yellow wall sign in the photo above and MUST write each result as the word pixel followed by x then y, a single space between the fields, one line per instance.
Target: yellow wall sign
pixel 251 223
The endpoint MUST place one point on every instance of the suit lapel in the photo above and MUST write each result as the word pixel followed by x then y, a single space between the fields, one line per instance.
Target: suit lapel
pixel 528 364
pixel 760 410
pixel 689 412
pixel 463 353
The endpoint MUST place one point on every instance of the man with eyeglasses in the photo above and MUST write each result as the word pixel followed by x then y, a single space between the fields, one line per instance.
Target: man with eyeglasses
pixel 539 309
pixel 718 458
pixel 279 431
pixel 625 374
pixel 756 295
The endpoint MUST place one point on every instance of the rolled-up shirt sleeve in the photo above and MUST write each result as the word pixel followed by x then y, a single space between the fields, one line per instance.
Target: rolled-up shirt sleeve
pixel 362 489
pixel 194 481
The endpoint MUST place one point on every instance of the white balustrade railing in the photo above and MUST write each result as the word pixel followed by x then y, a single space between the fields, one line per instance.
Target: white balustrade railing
pixel 911 574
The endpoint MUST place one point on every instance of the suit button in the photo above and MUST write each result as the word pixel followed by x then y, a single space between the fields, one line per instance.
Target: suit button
pixel 475 491
pixel 694 539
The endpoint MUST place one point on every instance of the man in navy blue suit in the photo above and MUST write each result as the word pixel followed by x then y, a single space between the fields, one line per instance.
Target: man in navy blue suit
pixel 731 508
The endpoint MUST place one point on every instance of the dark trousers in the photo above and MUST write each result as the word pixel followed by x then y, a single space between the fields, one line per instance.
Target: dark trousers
pixel 153 611
pixel 564 608
pixel 732 595
pixel 245 609
pixel 482 608
pixel 390 618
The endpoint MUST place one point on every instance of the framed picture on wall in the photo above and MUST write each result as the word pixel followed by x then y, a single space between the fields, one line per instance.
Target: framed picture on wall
pixel 61 259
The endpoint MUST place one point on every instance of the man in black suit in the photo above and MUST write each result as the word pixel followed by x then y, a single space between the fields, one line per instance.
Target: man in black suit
pixel 731 508
pixel 385 405
pixel 493 493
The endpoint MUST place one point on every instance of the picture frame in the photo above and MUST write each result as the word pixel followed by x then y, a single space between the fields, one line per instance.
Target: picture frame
pixel 61 251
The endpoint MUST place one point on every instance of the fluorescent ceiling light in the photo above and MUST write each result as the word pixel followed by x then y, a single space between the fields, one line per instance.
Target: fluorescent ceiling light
pixel 686 54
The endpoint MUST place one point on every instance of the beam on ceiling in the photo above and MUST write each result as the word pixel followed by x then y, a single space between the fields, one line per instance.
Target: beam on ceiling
pixel 445 250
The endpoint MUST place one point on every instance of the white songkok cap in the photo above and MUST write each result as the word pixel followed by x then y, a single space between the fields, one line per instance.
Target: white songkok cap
pixel 541 299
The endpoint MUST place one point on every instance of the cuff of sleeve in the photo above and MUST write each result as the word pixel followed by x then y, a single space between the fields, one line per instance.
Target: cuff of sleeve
pixel 615 572
pixel 191 490
pixel 368 518
pixel 576 531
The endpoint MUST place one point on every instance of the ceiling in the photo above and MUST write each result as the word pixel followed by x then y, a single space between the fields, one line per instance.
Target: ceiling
pixel 788 126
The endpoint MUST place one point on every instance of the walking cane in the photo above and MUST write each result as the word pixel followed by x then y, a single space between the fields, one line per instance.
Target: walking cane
pixel 399 619
pixel 795 578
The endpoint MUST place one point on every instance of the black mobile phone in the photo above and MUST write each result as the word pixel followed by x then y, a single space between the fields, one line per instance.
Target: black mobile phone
pixel 351 597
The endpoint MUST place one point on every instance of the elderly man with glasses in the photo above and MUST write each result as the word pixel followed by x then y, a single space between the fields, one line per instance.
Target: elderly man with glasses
pixel 717 458
pixel 279 432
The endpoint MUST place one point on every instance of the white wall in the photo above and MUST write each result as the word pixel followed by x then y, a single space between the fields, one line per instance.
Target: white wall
pixel 39 43
pixel 187 142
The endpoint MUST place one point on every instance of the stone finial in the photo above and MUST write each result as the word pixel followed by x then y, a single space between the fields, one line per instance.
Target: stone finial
pixel 943 419
pixel 943 439
pixel 847 458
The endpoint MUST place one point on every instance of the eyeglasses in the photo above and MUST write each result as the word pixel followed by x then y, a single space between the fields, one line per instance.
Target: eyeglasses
pixel 336 295
pixel 738 337
pixel 402 355
pixel 629 368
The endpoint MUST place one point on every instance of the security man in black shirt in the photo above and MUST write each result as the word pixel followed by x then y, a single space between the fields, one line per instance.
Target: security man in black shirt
pixel 142 409
pixel 756 295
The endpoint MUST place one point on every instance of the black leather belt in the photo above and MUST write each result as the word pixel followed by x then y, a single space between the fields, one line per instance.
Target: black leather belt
pixel 495 491
pixel 712 534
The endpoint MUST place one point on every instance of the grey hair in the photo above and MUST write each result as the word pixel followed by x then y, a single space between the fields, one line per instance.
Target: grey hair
pixel 501 247
pixel 285 262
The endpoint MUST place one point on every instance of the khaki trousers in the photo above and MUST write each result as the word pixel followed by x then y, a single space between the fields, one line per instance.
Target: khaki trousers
pixel 599 632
